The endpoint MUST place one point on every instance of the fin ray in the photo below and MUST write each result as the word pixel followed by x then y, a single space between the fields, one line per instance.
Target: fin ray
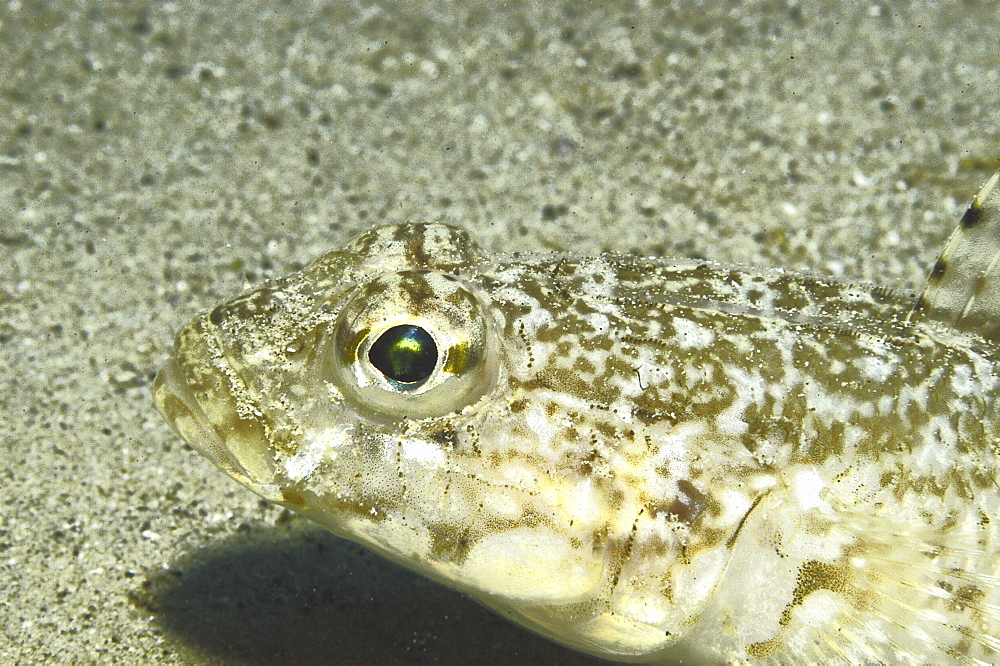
pixel 963 289
pixel 909 585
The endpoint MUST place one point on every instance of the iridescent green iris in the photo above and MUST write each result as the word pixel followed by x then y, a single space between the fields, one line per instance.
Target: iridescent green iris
pixel 405 354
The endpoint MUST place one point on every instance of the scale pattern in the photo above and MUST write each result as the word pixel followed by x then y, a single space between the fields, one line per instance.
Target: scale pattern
pixel 643 459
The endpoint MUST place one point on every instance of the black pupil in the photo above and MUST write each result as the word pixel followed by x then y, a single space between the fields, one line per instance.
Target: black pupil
pixel 405 354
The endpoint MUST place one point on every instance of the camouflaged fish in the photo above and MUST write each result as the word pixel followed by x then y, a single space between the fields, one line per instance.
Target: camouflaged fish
pixel 640 458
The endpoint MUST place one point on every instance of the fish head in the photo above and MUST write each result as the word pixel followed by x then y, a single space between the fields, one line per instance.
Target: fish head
pixel 360 341
pixel 389 392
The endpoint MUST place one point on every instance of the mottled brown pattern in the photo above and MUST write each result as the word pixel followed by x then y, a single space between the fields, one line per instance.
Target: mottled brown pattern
pixel 641 458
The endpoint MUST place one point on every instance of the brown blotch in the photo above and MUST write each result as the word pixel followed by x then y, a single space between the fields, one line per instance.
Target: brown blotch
pixel 447 437
pixel 626 553
pixel 584 366
pixel 814 576
pixel 587 462
pixel 449 544
pixel 615 497
pixel 414 244
pixel 972 217
pixel 689 508
pixel 459 357
pixel 348 350
pixel 762 649
pixel 606 429
pixel 248 429
pixel 761 429
pixel 414 285
pixel 566 381
pixel 173 408
pixel 289 496
pixel 887 479
pixel 651 416
pixel 827 444
pixel 967 596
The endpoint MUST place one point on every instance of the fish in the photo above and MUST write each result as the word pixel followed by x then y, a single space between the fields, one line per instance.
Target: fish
pixel 643 459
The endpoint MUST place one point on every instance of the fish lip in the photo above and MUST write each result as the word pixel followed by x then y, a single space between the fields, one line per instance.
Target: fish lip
pixel 183 411
pixel 176 402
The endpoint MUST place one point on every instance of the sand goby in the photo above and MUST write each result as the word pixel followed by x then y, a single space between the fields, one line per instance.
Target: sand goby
pixel 644 459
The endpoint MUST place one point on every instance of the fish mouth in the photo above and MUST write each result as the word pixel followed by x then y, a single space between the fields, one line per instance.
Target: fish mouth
pixel 175 401
pixel 195 401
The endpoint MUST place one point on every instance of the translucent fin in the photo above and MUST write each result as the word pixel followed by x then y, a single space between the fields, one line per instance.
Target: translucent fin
pixel 914 593
pixel 963 289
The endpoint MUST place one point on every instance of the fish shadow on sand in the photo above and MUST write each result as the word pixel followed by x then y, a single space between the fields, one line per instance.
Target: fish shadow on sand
pixel 297 594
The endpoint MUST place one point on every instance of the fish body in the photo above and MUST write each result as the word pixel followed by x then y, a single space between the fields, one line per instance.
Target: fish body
pixel 644 459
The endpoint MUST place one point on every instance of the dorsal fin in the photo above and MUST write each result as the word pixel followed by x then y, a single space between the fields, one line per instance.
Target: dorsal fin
pixel 963 289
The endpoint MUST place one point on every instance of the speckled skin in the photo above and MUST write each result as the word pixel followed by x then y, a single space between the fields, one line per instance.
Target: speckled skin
pixel 644 459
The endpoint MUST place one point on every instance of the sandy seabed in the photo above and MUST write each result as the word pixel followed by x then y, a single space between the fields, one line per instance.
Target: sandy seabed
pixel 157 158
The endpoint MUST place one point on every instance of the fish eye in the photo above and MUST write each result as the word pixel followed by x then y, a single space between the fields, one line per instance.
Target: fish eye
pixel 409 345
pixel 405 354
